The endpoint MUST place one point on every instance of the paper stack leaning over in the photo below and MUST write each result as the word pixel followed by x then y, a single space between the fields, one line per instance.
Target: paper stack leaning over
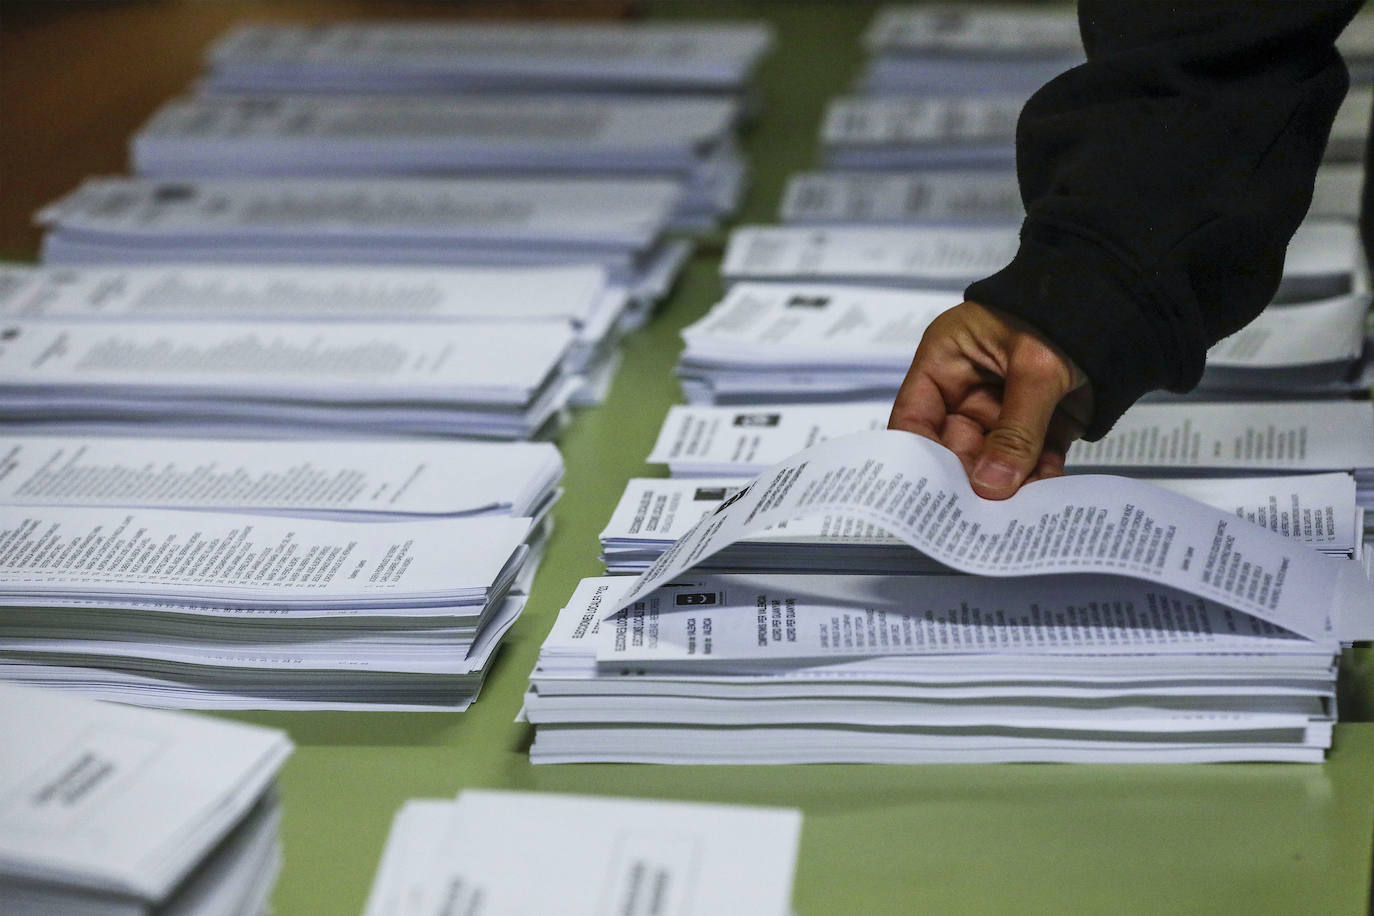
pixel 112 810
pixel 618 223
pixel 227 610
pixel 781 342
pixel 537 852
pixel 969 49
pixel 1105 620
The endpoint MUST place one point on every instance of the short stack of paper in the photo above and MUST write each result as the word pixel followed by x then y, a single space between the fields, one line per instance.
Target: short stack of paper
pixel 272 380
pixel 1325 259
pixel 576 296
pixel 1317 509
pixel 969 49
pixel 616 223
pixel 779 342
pixel 537 852
pixel 378 480
pixel 713 441
pixel 1099 619
pixel 921 132
pixel 180 608
pixel 1304 350
pixel 892 256
pixel 689 140
pixel 111 810
pixel 471 56
pixel 927 198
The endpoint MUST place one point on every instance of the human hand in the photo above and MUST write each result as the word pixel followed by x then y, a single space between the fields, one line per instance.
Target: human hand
pixel 995 392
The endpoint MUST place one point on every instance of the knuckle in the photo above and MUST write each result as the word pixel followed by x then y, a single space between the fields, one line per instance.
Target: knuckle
pixel 1011 440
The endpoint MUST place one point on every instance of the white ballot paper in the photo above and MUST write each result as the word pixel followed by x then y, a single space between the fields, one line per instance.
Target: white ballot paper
pixel 917 490
pixel 537 852
pixel 1325 258
pixel 938 198
pixel 893 132
pixel 961 30
pixel 1329 332
pixel 119 803
pixel 713 441
pixel 916 257
pixel 438 56
pixel 382 480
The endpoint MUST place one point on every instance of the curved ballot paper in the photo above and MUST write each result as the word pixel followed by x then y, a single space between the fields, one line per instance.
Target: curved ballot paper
pixel 1092 524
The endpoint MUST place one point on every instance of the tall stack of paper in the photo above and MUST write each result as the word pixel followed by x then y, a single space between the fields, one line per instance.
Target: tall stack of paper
pixel 779 342
pixel 616 223
pixel 925 198
pixel 576 296
pixel 969 49
pixel 921 132
pixel 475 56
pixel 899 257
pixel 361 481
pixel 272 380
pixel 225 610
pixel 1318 509
pixel 689 140
pixel 712 441
pixel 528 852
pixel 1169 631
pixel 106 809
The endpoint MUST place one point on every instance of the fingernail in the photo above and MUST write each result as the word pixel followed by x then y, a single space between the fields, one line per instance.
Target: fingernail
pixel 994 475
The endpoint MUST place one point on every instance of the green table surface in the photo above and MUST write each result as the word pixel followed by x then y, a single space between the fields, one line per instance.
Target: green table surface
pixel 1258 838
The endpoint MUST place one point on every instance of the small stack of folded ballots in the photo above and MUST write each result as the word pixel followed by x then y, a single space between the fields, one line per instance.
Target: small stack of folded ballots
pixel 899 257
pixel 112 810
pixel 577 296
pixel 1302 350
pixel 1096 619
pixel 686 139
pixel 481 57
pixel 1317 509
pixel 373 480
pixel 1350 131
pixel 279 379
pixel 969 49
pixel 921 132
pixel 926 198
pixel 578 855
pixel 714 441
pixel 226 610
pixel 780 342
pixel 618 223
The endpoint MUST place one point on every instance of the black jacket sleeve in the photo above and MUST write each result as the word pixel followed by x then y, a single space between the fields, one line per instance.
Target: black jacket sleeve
pixel 1163 180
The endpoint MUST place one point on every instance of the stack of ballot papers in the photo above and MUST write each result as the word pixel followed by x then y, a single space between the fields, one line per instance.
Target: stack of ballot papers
pixel 279 379
pixel 925 198
pixel 718 441
pixel 1336 192
pixel 901 257
pixel 225 610
pixel 1097 619
pixel 779 342
pixel 577 855
pixel 377 480
pixel 969 49
pixel 1317 509
pixel 1300 350
pixel 1350 131
pixel 474 56
pixel 688 139
pixel 577 296
pixel 618 223
pixel 1325 259
pixel 111 810
pixel 921 132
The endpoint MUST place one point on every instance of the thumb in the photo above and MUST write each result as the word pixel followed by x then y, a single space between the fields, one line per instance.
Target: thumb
pixel 1034 385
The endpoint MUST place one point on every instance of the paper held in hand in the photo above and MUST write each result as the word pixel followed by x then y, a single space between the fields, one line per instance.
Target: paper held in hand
pixel 918 491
